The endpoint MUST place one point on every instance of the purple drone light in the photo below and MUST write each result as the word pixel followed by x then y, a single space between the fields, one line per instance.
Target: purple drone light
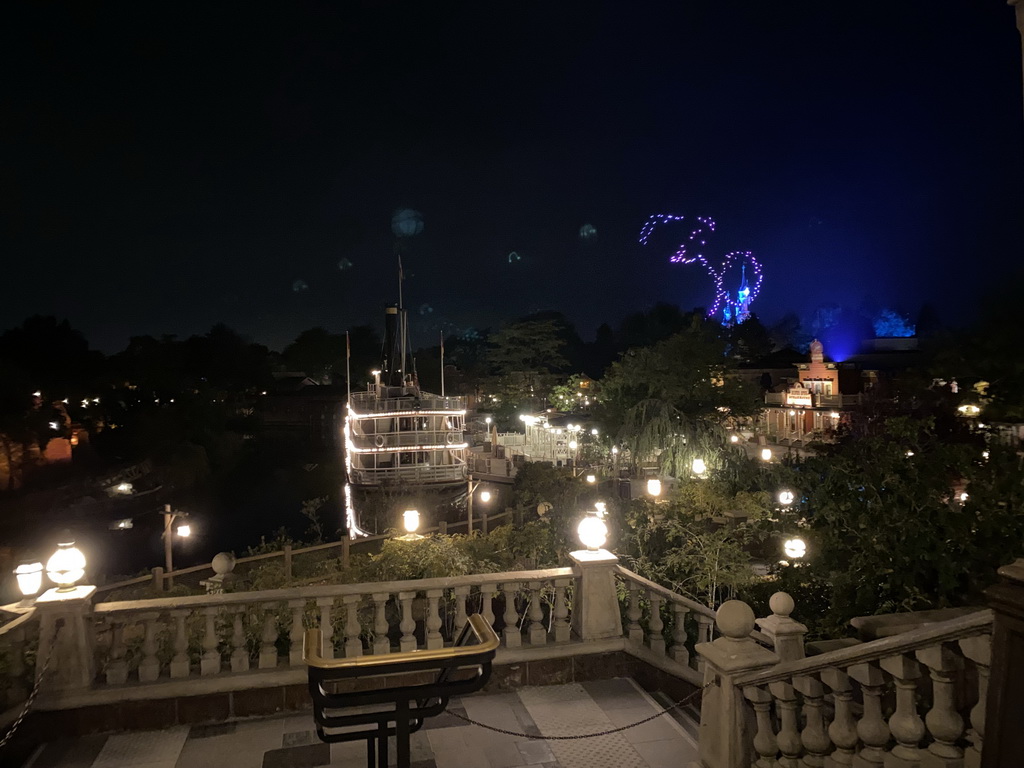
pixel 690 252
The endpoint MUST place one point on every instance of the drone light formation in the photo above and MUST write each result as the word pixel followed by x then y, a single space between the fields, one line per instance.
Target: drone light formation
pixel 691 251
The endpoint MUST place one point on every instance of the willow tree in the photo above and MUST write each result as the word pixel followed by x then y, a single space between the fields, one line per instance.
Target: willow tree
pixel 674 401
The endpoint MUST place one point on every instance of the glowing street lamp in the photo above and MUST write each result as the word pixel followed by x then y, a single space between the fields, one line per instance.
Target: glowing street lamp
pixel 766 454
pixel 485 496
pixel 795 548
pixel 786 498
pixel 184 530
pixel 591 478
pixel 654 487
pixel 67 565
pixel 411 520
pixel 699 466
pixel 30 578
pixel 593 531
pixel 734 438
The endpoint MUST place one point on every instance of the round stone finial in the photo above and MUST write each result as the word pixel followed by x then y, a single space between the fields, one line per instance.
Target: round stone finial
pixel 223 563
pixel 781 604
pixel 735 619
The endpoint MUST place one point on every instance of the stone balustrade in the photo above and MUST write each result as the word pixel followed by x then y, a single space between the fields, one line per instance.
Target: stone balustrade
pixel 661 625
pixel 17 636
pixel 144 641
pixel 914 699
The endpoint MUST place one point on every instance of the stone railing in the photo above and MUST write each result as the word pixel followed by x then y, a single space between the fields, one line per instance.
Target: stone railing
pixel 916 698
pixel 241 630
pixel 663 625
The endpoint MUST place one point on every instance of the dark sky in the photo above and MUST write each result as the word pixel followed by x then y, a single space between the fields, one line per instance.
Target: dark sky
pixel 167 166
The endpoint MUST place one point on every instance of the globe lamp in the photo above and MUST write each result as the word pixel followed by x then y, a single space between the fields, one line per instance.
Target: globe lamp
pixel 593 532
pixel 766 454
pixel 411 520
pixel 786 498
pixel 30 577
pixel 485 496
pixel 795 548
pixel 699 466
pixel 654 487
pixel 66 565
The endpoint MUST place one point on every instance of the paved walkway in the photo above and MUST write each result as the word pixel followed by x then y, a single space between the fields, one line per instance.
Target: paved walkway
pixel 443 742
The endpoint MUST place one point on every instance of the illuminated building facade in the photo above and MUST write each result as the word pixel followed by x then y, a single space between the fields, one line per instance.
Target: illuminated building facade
pixel 813 406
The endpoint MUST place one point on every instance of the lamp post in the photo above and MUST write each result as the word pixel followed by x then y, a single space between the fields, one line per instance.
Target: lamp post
pixel 485 497
pixel 184 530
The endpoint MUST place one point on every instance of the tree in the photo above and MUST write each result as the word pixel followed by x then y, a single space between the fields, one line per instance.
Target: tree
pixel 523 358
pixel 317 353
pixel 888 529
pixel 674 399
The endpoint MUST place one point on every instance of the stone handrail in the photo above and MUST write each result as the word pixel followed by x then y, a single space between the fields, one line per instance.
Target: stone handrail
pixel 163 640
pixel 971 625
pixel 836 709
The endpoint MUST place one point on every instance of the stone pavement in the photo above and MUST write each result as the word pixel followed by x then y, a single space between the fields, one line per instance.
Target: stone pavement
pixel 289 741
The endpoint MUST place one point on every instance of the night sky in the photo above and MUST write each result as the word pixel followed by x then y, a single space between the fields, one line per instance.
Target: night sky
pixel 168 166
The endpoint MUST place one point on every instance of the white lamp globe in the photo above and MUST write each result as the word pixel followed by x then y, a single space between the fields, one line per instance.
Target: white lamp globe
pixel 766 454
pixel 795 548
pixel 592 532
pixel 573 445
pixel 699 466
pixel 411 520
pixel 30 577
pixel 485 496
pixel 734 438
pixel 786 498
pixel 184 530
pixel 591 478
pixel 66 565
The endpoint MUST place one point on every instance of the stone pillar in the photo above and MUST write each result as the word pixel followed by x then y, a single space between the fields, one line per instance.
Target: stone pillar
pixel 725 735
pixel 595 611
pixel 787 634
pixel 1004 712
pixel 73 661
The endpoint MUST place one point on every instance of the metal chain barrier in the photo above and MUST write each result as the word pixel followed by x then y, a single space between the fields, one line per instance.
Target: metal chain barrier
pixel 667 709
pixel 35 688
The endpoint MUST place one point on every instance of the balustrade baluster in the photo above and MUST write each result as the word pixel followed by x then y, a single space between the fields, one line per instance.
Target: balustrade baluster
pixel 433 620
pixel 705 631
pixel 210 664
pixel 765 744
pixel 297 632
pixel 979 650
pixel 487 603
pixel 943 721
pixel 871 728
pixel 180 664
pixel 239 651
pixel 149 667
pixel 788 736
pixel 655 639
pixel 353 642
pixel 117 666
pixel 843 728
pixel 905 723
pixel 268 639
pixel 538 632
pixel 326 625
pixel 678 650
pixel 815 739
pixel 408 624
pixel 634 631
pixel 461 594
pixel 560 612
pixel 381 641
pixel 511 632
